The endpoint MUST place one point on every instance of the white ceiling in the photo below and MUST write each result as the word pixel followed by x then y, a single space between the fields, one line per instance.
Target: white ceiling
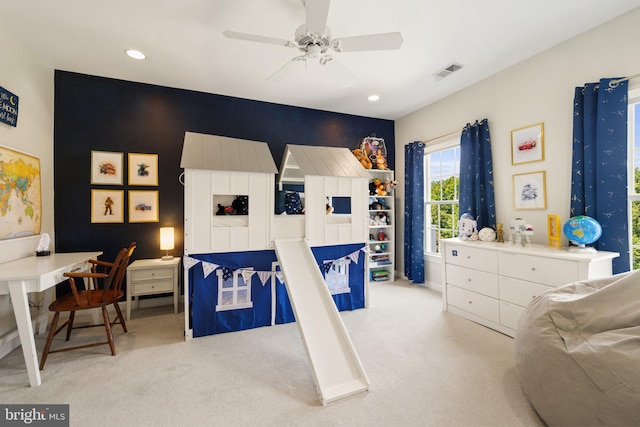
pixel 185 47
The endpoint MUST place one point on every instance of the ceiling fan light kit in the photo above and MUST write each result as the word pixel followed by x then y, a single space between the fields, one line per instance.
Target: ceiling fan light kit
pixel 315 42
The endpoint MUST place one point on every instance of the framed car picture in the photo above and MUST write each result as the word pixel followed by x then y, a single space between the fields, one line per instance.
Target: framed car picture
pixel 106 168
pixel 527 144
pixel 143 206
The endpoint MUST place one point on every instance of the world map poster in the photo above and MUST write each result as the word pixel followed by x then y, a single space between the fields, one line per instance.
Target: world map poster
pixel 20 194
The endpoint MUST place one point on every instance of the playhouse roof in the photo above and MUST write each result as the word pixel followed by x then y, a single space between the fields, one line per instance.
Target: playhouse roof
pixel 213 152
pixel 301 160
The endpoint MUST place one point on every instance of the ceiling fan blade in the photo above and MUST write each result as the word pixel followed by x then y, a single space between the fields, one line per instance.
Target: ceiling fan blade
pixel 338 71
pixel 255 38
pixel 316 12
pixel 286 69
pixel 381 41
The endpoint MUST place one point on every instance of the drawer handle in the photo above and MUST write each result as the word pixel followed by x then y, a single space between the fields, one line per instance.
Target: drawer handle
pixel 469 279
pixel 468 256
pixel 533 269
pixel 470 302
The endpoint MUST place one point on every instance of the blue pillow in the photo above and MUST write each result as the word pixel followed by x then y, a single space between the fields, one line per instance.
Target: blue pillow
pixel 280 202
pixel 292 203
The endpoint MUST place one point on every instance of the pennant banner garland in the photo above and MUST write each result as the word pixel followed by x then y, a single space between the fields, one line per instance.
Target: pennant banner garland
pixel 246 273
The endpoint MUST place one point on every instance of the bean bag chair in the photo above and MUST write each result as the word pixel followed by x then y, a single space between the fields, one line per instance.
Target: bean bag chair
pixel 577 353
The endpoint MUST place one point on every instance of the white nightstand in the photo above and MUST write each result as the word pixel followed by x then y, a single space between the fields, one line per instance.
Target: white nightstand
pixel 152 276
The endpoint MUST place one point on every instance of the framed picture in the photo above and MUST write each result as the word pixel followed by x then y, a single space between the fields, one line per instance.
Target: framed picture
pixel 143 169
pixel 143 206
pixel 107 206
pixel 20 194
pixel 106 168
pixel 527 144
pixel 529 190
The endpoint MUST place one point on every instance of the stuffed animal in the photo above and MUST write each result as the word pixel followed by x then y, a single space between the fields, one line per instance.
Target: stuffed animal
pixel 376 206
pixel 467 227
pixel 381 218
pixel 241 205
pixel 381 162
pixel 225 210
pixel 390 185
pixel 362 158
pixel 329 208
pixel 373 188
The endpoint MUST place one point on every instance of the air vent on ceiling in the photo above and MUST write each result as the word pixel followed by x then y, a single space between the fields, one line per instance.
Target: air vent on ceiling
pixel 446 71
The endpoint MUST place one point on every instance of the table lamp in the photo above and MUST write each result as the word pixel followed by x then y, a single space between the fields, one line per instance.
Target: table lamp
pixel 166 242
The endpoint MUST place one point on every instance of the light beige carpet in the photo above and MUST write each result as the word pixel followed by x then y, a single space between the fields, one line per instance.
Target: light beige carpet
pixel 426 368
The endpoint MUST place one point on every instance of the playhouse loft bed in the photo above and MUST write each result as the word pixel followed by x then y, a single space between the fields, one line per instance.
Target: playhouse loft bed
pixel 234 244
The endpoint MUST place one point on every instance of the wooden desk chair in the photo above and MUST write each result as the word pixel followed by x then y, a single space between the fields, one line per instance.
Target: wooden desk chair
pixel 107 290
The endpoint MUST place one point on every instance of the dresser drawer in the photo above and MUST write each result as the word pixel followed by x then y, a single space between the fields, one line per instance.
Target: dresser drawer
pixel 473 280
pixel 476 258
pixel 520 292
pixel 510 314
pixel 474 303
pixel 148 287
pixel 544 270
pixel 151 274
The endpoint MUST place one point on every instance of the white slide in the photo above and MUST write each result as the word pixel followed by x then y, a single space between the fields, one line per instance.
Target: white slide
pixel 336 367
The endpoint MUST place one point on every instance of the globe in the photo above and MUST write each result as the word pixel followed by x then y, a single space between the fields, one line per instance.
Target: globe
pixel 582 230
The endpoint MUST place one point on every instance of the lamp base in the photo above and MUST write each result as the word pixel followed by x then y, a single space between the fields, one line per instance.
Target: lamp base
pixel 167 258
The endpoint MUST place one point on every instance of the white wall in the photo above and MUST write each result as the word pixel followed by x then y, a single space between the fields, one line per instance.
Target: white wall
pixel 537 90
pixel 24 74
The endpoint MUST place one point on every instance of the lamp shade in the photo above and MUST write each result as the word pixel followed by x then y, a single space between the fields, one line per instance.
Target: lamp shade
pixel 166 238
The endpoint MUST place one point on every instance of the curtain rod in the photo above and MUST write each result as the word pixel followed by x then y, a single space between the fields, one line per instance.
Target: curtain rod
pixel 614 83
pixel 441 136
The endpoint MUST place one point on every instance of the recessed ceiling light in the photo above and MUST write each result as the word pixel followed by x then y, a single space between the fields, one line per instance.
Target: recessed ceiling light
pixel 135 54
pixel 373 98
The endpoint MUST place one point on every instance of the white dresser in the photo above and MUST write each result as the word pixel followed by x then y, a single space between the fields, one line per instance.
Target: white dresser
pixel 491 283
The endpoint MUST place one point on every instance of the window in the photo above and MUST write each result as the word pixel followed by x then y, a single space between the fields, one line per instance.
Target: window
pixel 234 289
pixel 634 176
pixel 442 183
pixel 336 276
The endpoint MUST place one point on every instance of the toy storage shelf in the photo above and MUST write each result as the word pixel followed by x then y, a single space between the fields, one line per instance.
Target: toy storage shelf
pixel 381 257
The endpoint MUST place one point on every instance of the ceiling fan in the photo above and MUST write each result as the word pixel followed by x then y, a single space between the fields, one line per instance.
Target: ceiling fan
pixel 314 40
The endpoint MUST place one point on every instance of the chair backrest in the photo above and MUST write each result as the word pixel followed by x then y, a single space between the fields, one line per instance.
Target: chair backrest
pixel 116 274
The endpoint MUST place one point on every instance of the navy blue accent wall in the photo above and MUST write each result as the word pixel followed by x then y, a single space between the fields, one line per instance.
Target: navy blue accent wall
pixel 96 113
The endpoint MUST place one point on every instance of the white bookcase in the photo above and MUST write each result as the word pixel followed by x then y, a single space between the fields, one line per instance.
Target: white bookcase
pixel 381 257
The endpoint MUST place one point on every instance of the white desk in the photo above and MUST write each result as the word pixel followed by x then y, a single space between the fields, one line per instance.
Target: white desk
pixel 36 274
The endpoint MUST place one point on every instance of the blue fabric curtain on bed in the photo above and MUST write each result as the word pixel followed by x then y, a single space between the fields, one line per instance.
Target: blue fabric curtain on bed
pixel 476 174
pixel 414 212
pixel 599 174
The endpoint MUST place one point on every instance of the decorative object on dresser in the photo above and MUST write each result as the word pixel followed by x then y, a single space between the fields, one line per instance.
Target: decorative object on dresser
pixel 553 230
pixel 487 234
pixel 152 277
pixel 467 227
pixel 582 230
pixel 492 283
pixel 167 242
